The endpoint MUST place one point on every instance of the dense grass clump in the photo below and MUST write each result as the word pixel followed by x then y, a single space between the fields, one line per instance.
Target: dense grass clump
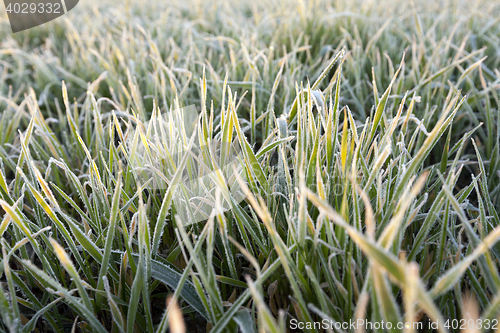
pixel 366 183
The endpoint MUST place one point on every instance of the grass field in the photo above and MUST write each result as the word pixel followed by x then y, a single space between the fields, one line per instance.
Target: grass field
pixel 367 183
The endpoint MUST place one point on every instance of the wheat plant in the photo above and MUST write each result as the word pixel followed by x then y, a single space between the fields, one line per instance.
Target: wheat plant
pixel 365 185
